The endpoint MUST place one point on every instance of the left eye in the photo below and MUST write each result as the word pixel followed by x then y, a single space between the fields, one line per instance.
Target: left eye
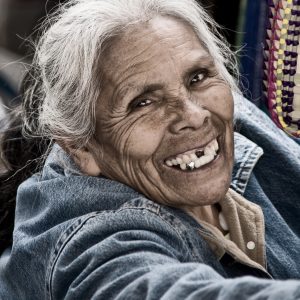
pixel 142 103
pixel 198 77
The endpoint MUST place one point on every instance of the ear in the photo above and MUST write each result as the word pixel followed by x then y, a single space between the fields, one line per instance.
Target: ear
pixel 86 162
pixel 84 157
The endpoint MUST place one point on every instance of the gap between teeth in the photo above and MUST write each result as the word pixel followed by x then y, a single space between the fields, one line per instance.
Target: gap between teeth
pixel 210 151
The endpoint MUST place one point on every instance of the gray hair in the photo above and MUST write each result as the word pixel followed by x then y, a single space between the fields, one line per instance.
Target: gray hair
pixel 60 104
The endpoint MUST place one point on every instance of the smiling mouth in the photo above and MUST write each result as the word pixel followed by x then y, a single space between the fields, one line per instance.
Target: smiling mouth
pixel 196 158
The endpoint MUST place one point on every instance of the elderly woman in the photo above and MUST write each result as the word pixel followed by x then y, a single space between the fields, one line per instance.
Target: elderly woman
pixel 134 100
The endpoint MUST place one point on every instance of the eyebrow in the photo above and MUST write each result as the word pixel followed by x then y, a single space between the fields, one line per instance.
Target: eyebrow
pixel 203 62
pixel 147 89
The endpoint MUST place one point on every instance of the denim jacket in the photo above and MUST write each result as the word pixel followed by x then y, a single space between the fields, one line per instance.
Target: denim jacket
pixel 82 237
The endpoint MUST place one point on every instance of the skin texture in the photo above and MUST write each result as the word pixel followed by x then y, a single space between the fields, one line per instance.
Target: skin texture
pixel 185 105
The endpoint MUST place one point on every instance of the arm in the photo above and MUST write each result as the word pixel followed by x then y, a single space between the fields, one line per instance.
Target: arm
pixel 133 254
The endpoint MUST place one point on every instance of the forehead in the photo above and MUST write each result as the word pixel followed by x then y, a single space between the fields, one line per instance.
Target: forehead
pixel 144 43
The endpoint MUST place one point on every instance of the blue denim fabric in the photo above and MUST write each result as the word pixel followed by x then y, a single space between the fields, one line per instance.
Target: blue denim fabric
pixel 81 237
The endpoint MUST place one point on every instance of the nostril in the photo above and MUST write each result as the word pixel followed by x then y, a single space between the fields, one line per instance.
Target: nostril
pixel 190 118
pixel 185 128
pixel 205 122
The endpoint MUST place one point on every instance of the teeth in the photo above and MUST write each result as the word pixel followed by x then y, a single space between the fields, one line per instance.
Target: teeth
pixel 215 145
pixel 186 159
pixel 169 163
pixel 203 160
pixel 193 156
pixel 206 155
pixel 207 159
pixel 199 162
pixel 174 162
pixel 190 166
pixel 209 150
pixel 179 160
pixel 183 166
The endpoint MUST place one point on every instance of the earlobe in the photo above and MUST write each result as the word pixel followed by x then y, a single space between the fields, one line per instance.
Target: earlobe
pixel 84 158
pixel 86 162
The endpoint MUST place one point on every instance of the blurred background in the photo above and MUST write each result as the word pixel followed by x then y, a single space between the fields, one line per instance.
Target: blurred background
pixel 242 20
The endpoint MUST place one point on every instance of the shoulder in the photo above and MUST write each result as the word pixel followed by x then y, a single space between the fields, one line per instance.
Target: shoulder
pixel 136 218
pixel 140 231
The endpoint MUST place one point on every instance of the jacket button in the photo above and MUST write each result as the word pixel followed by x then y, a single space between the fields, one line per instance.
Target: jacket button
pixel 250 245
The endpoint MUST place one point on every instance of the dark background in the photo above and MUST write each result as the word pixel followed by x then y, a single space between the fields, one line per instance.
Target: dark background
pixel 239 19
pixel 19 18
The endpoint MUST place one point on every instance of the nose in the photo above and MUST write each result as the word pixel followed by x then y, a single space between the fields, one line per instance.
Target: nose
pixel 189 116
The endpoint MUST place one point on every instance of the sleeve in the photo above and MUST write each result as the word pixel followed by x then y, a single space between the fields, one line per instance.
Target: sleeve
pixel 137 255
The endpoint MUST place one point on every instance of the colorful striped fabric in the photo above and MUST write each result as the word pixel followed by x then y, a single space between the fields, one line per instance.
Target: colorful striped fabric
pixel 281 71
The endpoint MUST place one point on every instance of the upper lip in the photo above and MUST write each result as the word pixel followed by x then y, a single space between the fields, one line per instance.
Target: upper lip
pixel 189 148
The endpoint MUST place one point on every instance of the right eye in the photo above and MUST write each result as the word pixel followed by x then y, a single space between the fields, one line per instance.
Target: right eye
pixel 198 78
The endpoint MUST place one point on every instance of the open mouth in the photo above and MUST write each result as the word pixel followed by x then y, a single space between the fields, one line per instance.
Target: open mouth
pixel 196 158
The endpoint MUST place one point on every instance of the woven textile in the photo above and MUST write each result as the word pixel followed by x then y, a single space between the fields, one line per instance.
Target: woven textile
pixel 281 71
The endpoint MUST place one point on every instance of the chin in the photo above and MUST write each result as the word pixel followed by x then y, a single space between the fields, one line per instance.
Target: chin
pixel 203 187
pixel 208 194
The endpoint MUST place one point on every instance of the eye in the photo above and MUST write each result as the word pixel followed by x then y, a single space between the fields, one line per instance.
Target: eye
pixel 144 102
pixel 198 77
pixel 141 103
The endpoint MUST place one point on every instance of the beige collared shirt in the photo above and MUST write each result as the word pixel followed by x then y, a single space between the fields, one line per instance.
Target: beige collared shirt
pixel 245 241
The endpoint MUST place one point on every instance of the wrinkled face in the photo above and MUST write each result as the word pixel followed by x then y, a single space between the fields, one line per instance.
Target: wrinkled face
pixel 164 119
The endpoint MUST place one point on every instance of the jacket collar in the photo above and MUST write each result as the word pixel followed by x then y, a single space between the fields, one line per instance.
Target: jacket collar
pixel 246 155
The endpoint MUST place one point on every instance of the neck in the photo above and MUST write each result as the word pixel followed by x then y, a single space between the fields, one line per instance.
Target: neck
pixel 207 213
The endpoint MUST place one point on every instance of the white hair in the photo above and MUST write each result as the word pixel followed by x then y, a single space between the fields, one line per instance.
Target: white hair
pixel 61 102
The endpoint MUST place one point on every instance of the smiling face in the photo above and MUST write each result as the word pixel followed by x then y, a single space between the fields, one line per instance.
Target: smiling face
pixel 162 103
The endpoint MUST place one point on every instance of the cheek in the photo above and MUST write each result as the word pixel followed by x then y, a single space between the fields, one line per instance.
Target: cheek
pixel 223 106
pixel 219 100
pixel 133 139
pixel 144 139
